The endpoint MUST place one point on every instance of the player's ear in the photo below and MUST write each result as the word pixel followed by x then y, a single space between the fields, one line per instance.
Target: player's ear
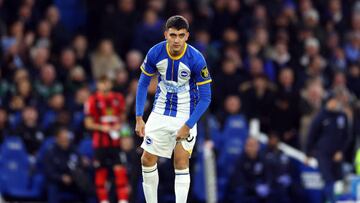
pixel 187 36
pixel 165 34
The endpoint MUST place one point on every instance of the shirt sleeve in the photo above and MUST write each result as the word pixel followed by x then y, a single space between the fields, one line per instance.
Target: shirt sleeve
pixel 204 102
pixel 148 67
pixel 201 72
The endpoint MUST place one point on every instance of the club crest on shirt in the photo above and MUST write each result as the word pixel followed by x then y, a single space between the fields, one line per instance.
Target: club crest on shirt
pixel 205 73
pixel 184 74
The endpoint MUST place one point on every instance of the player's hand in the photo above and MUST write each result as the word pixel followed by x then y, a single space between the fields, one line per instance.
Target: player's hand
pixel 183 133
pixel 66 179
pixel 105 128
pixel 140 127
pixel 338 156
pixel 116 127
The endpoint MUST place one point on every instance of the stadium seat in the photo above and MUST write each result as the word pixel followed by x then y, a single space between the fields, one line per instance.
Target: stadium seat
pixel 48 118
pixel 78 120
pixel 46 145
pixel 234 135
pixel 14 119
pixel 85 148
pixel 15 171
pixel 215 132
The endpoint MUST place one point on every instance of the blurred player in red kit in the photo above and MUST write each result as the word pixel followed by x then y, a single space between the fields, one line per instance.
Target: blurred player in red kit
pixel 105 115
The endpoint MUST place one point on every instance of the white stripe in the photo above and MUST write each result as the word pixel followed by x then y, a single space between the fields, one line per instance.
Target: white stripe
pixel 160 102
pixel 183 107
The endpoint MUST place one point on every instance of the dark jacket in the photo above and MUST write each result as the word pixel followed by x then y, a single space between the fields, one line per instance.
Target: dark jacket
pixel 328 133
pixel 58 162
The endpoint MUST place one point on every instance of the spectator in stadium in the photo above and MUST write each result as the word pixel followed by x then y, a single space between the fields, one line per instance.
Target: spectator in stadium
pixel 76 106
pixel 105 116
pixel 24 89
pixel 329 139
pixel 55 104
pixel 104 61
pixel 67 62
pixel 121 31
pixel 258 98
pixel 29 130
pixel 39 57
pixel 285 119
pixel 278 167
pixel 4 89
pixel 149 31
pixel 134 58
pixel 229 80
pixel 281 58
pixel 75 80
pixel 61 166
pixel 231 106
pixel 80 46
pixel 59 34
pixel 309 105
pixel 43 35
pixel 47 84
pixel 4 123
pixel 250 181
pixel 121 82
pixel 353 79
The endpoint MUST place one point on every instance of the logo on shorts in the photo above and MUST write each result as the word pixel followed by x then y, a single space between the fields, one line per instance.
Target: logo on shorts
pixel 148 140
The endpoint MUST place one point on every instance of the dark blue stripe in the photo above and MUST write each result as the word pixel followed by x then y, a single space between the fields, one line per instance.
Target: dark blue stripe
pixel 174 102
pixel 167 104
pixel 193 95
pixel 176 70
pixel 156 96
pixel 169 69
pixel 180 174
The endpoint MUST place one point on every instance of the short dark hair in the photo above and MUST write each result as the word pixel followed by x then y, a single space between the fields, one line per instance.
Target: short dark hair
pixel 178 22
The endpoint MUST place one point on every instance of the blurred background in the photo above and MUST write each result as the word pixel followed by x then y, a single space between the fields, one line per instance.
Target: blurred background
pixel 294 65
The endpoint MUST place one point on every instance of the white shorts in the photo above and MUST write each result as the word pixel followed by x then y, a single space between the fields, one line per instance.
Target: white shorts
pixel 160 135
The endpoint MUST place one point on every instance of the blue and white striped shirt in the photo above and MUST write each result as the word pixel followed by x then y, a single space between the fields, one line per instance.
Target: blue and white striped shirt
pixel 178 79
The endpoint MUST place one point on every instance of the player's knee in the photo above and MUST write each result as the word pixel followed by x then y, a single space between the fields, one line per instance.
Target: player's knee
pixel 148 160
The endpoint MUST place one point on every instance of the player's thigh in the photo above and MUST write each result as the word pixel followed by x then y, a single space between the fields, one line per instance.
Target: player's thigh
pixel 158 140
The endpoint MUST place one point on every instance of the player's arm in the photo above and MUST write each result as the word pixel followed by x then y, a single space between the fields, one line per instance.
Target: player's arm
pixel 89 122
pixel 203 80
pixel 148 70
pixel 204 102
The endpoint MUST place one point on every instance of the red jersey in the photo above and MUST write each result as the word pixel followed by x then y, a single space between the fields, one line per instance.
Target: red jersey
pixel 105 110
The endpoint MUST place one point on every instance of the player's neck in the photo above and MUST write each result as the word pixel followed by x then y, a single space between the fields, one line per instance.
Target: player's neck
pixel 176 53
pixel 105 93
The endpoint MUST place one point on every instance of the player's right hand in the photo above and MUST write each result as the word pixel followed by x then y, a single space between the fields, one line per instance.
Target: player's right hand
pixel 140 127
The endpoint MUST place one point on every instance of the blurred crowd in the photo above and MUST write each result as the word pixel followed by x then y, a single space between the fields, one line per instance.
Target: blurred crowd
pixel 275 60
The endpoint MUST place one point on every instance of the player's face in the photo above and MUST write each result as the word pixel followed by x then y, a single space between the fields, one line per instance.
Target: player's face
pixel 104 86
pixel 176 39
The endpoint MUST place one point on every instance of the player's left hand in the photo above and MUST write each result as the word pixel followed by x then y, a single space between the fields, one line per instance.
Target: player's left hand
pixel 183 133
